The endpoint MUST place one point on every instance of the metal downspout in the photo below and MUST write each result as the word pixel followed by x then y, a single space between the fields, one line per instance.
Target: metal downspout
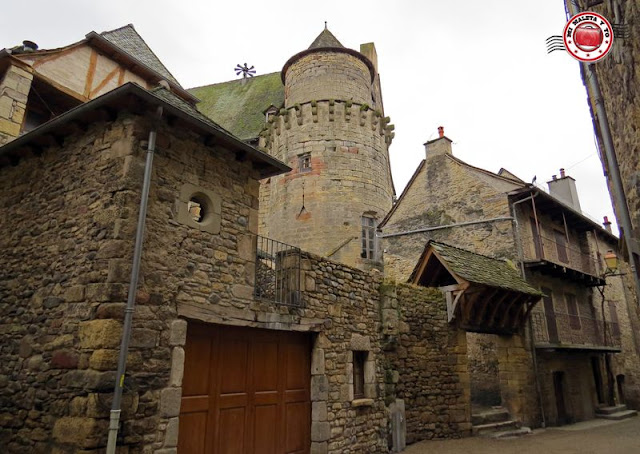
pixel 620 202
pixel 534 355
pixel 114 417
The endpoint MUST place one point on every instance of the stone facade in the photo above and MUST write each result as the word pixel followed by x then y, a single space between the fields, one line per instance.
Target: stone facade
pixel 14 91
pixel 618 77
pixel 427 364
pixel 332 119
pixel 438 195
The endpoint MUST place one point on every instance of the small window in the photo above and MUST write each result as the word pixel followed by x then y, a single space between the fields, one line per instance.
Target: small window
pixel 368 237
pixel 359 360
pixel 572 308
pixel 304 162
pixel 196 209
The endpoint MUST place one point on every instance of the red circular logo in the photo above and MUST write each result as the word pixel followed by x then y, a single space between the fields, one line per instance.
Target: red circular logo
pixel 588 36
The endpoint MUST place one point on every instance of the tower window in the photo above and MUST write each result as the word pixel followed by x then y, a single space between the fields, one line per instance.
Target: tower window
pixel 368 237
pixel 304 162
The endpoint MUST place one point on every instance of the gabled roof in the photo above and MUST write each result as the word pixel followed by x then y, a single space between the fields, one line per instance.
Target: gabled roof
pixel 239 105
pixel 475 268
pixel 128 39
pixel 133 96
pixel 325 39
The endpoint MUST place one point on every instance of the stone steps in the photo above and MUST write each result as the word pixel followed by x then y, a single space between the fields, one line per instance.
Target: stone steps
pixel 493 427
pixel 617 413
pixel 610 410
pixel 496 423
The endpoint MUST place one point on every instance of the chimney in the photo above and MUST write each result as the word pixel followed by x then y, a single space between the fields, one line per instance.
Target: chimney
pixel 369 51
pixel 607 224
pixel 564 188
pixel 441 145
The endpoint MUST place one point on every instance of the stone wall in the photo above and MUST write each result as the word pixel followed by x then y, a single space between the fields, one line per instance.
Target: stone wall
pixel 14 91
pixel 426 361
pixel 67 224
pixel 482 352
pixel 438 195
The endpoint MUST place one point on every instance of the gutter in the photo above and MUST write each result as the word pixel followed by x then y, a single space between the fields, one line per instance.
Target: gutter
pixel 114 416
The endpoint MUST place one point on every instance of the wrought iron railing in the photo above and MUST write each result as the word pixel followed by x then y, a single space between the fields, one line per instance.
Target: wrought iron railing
pixel 278 272
pixel 557 328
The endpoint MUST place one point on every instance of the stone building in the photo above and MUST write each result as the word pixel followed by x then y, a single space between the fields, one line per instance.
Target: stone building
pixel 618 77
pixel 578 332
pixel 323 116
pixel 234 333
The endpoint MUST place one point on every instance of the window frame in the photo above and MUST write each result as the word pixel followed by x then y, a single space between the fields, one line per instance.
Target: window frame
pixel 368 238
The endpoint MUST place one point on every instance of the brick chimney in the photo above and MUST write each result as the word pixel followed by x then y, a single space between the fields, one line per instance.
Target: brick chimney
pixel 607 224
pixel 441 145
pixel 564 188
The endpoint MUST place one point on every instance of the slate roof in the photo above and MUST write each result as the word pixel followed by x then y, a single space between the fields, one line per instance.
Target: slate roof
pixel 127 39
pixel 239 105
pixel 325 39
pixel 480 269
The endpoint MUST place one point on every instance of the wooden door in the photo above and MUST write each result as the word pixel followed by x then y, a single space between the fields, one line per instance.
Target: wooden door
pixel 245 391
pixel 550 315
pixel 558 387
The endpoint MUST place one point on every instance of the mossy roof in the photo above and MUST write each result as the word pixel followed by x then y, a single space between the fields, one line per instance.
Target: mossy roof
pixel 239 105
pixel 478 268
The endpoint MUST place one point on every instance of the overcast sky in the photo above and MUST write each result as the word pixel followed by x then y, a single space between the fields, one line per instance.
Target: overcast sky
pixel 478 68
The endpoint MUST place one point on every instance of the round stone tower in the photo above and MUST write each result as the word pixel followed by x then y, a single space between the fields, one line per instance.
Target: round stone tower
pixel 333 133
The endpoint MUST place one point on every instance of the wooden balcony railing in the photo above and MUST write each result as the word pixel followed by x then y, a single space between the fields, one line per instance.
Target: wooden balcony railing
pixel 558 329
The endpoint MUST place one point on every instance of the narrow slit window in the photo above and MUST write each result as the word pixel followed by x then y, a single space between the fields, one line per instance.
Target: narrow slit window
pixel 359 359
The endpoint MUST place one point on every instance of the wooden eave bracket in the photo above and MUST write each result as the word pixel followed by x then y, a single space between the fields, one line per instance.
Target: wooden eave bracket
pixel 452 294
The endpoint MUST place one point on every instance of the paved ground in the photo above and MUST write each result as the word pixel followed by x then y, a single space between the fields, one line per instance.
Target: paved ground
pixel 589 437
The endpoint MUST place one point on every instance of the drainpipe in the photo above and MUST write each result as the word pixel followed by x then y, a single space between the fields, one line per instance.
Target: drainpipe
pixel 624 217
pixel 534 355
pixel 114 419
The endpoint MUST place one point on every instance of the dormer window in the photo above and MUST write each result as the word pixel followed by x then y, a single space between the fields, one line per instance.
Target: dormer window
pixel 269 112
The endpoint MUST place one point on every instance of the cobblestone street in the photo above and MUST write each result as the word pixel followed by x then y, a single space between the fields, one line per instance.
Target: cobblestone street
pixel 589 437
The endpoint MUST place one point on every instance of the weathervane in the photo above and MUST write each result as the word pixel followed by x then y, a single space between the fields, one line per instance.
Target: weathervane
pixel 245 70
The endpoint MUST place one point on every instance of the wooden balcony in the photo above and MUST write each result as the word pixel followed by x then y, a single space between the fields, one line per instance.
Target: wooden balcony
pixel 558 331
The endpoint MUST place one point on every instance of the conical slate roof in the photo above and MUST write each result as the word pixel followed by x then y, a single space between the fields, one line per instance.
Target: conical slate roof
pixel 325 39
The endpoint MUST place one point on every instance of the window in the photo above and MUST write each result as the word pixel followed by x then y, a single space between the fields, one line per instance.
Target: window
pixel 304 162
pixel 359 360
pixel 561 246
pixel 572 308
pixel 537 243
pixel 368 237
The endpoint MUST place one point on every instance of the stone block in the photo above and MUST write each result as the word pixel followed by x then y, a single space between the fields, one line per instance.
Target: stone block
pixel 243 291
pixel 360 343
pixel 177 366
pixel 317 361
pixel 318 411
pixel 103 333
pixel 75 430
pixel 171 433
pixel 170 400
pixel 104 359
pixel 64 359
pixel 319 388
pixel 319 448
pixel 178 332
pixel 320 431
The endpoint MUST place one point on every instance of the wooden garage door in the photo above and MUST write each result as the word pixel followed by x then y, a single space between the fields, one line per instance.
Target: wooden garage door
pixel 245 391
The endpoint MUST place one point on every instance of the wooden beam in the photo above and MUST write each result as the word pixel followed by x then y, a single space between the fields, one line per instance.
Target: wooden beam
pixel 482 310
pixel 93 59
pixel 505 316
pixel 496 307
pixel 104 82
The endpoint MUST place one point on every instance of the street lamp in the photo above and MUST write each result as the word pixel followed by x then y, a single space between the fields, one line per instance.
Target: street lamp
pixel 611 260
